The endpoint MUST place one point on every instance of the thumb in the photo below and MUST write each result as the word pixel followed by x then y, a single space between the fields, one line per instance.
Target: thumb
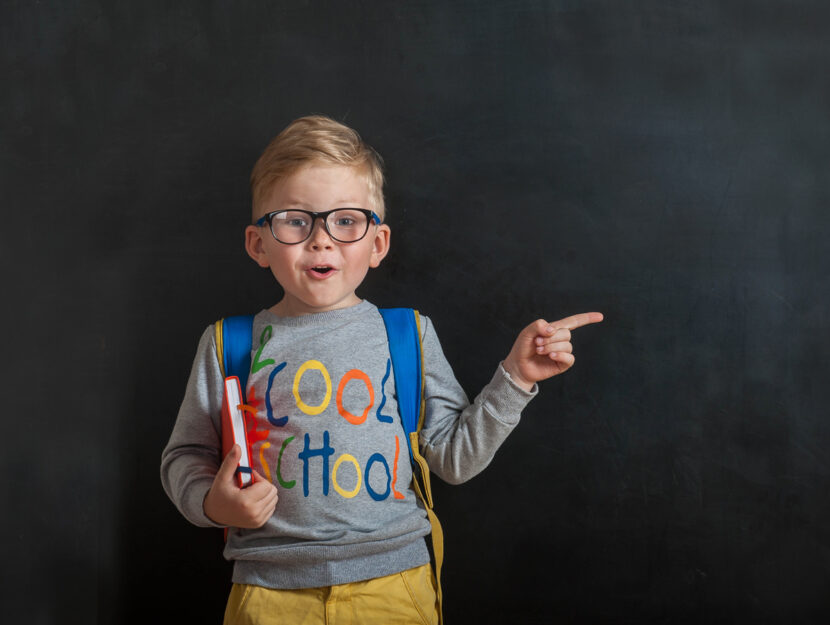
pixel 228 468
pixel 258 477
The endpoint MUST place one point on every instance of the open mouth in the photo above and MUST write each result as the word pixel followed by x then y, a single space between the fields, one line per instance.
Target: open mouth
pixel 322 270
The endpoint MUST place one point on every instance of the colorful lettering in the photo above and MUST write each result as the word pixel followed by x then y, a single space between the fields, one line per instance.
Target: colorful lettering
pixel 325 451
pixel 254 435
pixel 372 460
pixel 282 482
pixel 264 462
pixel 263 339
pixel 270 412
pixel 317 366
pixel 354 374
pixel 338 462
pixel 385 418
pixel 395 469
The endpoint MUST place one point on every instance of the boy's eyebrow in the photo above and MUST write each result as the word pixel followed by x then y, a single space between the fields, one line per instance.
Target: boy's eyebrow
pixel 296 203
pixel 309 207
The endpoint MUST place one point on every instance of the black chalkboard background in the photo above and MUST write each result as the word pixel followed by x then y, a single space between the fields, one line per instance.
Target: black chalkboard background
pixel 664 161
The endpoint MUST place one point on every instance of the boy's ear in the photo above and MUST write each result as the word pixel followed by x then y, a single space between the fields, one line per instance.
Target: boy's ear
pixel 254 246
pixel 380 246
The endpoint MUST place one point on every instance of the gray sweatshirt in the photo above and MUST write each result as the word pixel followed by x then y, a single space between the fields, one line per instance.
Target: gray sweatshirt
pixel 328 435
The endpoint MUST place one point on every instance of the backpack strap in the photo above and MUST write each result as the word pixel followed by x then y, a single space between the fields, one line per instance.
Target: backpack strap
pixel 403 334
pixel 403 330
pixel 233 347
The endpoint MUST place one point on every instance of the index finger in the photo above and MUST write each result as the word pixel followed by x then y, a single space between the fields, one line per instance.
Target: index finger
pixel 577 321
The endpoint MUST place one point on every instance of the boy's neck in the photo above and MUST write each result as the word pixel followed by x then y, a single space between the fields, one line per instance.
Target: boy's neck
pixel 288 307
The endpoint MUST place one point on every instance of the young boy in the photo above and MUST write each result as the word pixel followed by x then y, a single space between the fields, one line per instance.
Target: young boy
pixel 331 528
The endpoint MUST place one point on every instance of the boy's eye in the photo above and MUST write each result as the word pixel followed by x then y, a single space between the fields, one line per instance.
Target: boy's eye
pixel 291 219
pixel 346 218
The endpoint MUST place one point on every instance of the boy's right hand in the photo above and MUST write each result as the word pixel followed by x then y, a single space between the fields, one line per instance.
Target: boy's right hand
pixel 227 504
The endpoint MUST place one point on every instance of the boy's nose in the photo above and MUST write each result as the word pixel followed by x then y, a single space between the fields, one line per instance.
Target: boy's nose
pixel 319 235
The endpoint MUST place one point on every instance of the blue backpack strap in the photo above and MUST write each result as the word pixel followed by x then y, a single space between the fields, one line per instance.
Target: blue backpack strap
pixel 405 348
pixel 403 332
pixel 234 347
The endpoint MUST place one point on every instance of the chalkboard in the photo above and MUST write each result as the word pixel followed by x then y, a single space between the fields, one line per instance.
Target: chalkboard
pixel 664 162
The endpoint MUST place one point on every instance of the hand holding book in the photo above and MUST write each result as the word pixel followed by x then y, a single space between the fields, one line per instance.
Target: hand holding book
pixel 239 496
pixel 228 504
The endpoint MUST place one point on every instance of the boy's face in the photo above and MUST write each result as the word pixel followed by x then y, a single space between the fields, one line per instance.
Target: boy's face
pixel 319 274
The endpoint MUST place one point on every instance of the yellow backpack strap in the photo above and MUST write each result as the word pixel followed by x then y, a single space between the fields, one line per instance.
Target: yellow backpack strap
pixel 424 490
pixel 220 347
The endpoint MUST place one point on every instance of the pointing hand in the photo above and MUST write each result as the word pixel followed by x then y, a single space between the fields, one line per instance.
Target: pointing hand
pixel 544 349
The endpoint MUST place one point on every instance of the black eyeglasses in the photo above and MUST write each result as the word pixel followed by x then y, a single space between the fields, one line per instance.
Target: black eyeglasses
pixel 344 225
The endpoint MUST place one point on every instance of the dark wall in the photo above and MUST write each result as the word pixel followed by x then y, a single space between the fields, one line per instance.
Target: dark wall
pixel 664 162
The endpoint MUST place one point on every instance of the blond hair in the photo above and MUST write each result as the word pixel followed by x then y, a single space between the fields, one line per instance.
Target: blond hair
pixel 316 139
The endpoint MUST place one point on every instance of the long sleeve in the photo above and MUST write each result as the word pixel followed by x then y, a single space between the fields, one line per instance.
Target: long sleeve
pixel 191 458
pixel 459 439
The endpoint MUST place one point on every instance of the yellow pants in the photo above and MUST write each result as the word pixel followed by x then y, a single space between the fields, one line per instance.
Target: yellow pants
pixel 407 598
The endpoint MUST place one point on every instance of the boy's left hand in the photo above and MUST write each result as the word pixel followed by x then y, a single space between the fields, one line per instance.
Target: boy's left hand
pixel 544 349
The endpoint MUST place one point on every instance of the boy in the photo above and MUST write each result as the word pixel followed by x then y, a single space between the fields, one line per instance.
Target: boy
pixel 343 535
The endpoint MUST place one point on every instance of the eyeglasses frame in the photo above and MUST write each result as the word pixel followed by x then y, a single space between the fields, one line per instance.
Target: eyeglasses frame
pixel 371 218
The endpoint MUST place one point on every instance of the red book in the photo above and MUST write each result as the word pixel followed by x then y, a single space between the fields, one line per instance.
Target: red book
pixel 233 430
